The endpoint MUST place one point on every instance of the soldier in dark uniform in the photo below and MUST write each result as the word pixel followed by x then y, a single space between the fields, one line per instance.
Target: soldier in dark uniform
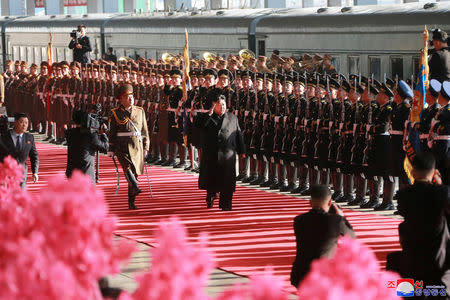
pixel 40 101
pixel 175 93
pixel 335 124
pixel 300 85
pixel 129 140
pixel 308 149
pixel 323 134
pixel 378 164
pixel 428 113
pixel 375 141
pixel 189 119
pixel 361 113
pixel 440 134
pixel 399 115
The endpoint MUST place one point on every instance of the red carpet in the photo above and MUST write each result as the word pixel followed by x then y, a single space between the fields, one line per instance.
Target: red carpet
pixel 258 232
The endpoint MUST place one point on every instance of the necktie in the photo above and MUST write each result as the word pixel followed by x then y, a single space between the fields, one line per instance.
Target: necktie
pixel 18 143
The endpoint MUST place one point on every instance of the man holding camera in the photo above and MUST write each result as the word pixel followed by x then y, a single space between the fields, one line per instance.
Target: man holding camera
pixel 82 145
pixel 129 139
pixel 81 45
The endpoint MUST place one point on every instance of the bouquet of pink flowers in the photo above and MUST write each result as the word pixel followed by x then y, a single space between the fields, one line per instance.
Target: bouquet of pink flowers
pixel 58 243
pixel 353 273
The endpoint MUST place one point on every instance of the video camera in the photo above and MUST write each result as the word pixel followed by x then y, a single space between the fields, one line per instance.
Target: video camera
pixel 5 121
pixel 76 34
pixel 94 120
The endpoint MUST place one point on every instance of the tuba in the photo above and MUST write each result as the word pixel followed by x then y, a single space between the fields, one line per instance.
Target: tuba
pixel 167 57
pixel 209 57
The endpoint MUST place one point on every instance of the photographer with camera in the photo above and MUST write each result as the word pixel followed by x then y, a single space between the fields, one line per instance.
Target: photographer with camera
pixel 439 59
pixel 81 45
pixel 83 143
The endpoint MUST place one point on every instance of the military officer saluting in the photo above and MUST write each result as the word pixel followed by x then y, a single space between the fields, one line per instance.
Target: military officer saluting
pixel 129 139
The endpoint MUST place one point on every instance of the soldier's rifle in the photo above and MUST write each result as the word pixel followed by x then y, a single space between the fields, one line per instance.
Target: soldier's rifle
pixel 319 117
pixel 368 125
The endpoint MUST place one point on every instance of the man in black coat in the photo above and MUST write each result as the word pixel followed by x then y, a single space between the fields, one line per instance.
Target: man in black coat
pixel 82 145
pixel 20 145
pixel 440 59
pixel 81 46
pixel 317 232
pixel 424 234
pixel 218 165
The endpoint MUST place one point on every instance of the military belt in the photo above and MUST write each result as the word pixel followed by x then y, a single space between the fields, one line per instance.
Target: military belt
pixel 423 136
pixel 128 134
pixel 348 132
pixel 442 138
pixel 386 133
pixel 396 132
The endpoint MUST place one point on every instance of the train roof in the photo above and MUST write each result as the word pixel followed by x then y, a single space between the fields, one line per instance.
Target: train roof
pixel 239 21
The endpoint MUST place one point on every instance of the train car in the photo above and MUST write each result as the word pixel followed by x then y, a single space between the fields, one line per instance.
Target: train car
pixel 363 39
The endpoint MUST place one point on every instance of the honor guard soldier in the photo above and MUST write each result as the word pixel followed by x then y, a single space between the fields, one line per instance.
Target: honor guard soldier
pixel 428 113
pixel 335 124
pixel 440 133
pixel 361 112
pixel 371 144
pixel 129 140
pixel 300 85
pixel 400 116
pixel 175 93
pixel 382 144
pixel 344 152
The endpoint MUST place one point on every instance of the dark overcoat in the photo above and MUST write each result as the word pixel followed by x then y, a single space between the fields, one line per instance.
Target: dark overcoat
pixel 218 165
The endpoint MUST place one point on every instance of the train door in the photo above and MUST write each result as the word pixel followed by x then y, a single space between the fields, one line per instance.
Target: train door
pixel 353 64
pixel 261 48
pixel 375 67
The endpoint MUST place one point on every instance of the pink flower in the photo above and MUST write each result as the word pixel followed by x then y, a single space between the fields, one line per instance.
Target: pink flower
pixel 267 286
pixel 179 270
pixel 56 245
pixel 353 273
pixel 11 174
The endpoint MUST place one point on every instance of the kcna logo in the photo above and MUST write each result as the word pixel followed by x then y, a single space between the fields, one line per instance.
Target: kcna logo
pixel 405 287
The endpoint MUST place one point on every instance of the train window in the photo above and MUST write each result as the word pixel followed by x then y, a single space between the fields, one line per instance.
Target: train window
pixel 44 53
pixel 396 67
pixel 416 66
pixel 262 47
pixel 16 53
pixel 375 67
pixel 353 64
pixel 336 62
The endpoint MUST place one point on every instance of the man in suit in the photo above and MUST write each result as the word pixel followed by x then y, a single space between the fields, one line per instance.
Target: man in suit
pixel 82 145
pixel 223 140
pixel 20 145
pixel 424 234
pixel 129 139
pixel 317 232
pixel 81 46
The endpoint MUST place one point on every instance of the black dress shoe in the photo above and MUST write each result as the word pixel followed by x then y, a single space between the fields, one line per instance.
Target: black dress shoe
pixel 275 185
pixel 249 179
pixel 239 177
pixel 167 163
pixel 256 181
pixel 266 183
pixel 396 213
pixel 340 198
pixel 306 192
pixel 357 201
pixel 180 165
pixel 349 198
pixel 372 203
pixel 188 168
pixel 132 206
pixel 299 190
pixel 385 206
pixel 286 188
pixel 158 162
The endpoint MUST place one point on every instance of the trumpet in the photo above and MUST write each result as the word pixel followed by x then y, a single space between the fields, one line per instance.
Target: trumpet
pixel 209 57
pixel 167 57
pixel 246 54
pixel 125 58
